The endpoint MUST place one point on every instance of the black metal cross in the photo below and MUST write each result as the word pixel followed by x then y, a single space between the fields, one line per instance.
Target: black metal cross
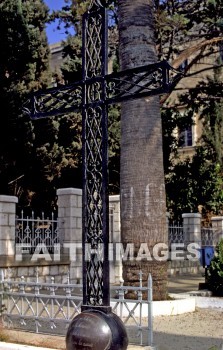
pixel 92 95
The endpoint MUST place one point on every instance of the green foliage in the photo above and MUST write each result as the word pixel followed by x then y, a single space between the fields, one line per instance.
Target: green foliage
pixel 195 184
pixel 178 23
pixel 24 66
pixel 71 67
pixel 18 75
pixel 215 271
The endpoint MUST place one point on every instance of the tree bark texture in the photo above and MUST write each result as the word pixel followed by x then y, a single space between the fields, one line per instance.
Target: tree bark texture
pixel 143 202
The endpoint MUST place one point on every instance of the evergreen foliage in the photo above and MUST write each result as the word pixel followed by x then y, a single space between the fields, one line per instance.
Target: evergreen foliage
pixel 24 67
pixel 215 271
pixel 34 155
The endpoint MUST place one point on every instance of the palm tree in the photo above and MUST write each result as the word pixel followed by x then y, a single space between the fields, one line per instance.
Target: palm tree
pixel 143 204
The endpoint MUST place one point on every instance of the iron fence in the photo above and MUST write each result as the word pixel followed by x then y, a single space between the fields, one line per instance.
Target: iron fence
pixel 209 236
pixel 36 233
pixel 49 307
pixel 42 232
pixel 176 233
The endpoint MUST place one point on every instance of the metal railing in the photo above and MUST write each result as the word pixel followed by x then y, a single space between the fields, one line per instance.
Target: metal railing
pixel 36 233
pixel 176 233
pixel 50 307
pixel 209 236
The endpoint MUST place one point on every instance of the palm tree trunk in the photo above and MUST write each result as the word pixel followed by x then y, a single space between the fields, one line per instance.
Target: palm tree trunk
pixel 143 204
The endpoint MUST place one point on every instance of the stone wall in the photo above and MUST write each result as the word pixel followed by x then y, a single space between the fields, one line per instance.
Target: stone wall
pixel 184 267
pixel 70 228
pixel 44 272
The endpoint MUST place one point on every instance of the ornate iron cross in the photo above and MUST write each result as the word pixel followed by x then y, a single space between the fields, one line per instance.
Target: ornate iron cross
pixel 92 95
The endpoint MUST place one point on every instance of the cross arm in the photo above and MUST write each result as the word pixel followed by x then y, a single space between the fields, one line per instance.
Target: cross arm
pixel 152 79
pixel 148 80
pixel 54 101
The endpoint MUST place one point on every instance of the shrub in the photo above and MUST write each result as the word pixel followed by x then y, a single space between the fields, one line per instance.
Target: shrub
pixel 215 271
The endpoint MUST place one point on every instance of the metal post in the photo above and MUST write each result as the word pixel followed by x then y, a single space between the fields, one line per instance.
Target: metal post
pixel 96 326
pixel 150 311
pixel 95 161
pixel 140 297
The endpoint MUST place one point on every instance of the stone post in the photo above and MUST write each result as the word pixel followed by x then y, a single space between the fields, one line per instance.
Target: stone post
pixel 192 227
pixel 7 227
pixel 217 226
pixel 70 228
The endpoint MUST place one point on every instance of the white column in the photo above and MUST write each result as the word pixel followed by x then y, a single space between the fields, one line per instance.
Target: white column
pixel 7 226
pixel 70 229
pixel 115 237
pixel 192 227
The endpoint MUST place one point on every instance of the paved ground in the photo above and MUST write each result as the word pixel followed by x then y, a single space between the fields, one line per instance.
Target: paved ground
pixel 183 284
pixel 200 330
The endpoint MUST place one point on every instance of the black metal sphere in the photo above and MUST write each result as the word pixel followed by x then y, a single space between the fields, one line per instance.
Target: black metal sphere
pixel 96 330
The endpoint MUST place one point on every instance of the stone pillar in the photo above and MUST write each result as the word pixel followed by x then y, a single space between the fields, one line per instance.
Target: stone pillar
pixel 115 237
pixel 70 228
pixel 192 227
pixel 217 226
pixel 7 227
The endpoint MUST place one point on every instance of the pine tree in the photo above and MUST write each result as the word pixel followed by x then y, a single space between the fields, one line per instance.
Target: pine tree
pixel 24 64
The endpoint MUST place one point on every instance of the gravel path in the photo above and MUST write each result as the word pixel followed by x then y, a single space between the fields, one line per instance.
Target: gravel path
pixel 200 330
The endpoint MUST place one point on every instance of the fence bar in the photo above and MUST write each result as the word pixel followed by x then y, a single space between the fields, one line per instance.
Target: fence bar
pixel 139 293
pixel 150 310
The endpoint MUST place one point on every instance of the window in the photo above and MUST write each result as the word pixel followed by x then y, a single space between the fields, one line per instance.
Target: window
pixel 186 137
pixel 111 224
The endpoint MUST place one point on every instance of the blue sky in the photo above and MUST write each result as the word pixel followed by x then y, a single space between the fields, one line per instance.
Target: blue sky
pixel 53 34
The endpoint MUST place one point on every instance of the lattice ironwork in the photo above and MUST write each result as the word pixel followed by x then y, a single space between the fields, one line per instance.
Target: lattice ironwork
pixel 35 234
pixel 95 143
pixel 142 81
pixel 130 84
pixel 55 101
pixel 176 234
pixel 209 236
